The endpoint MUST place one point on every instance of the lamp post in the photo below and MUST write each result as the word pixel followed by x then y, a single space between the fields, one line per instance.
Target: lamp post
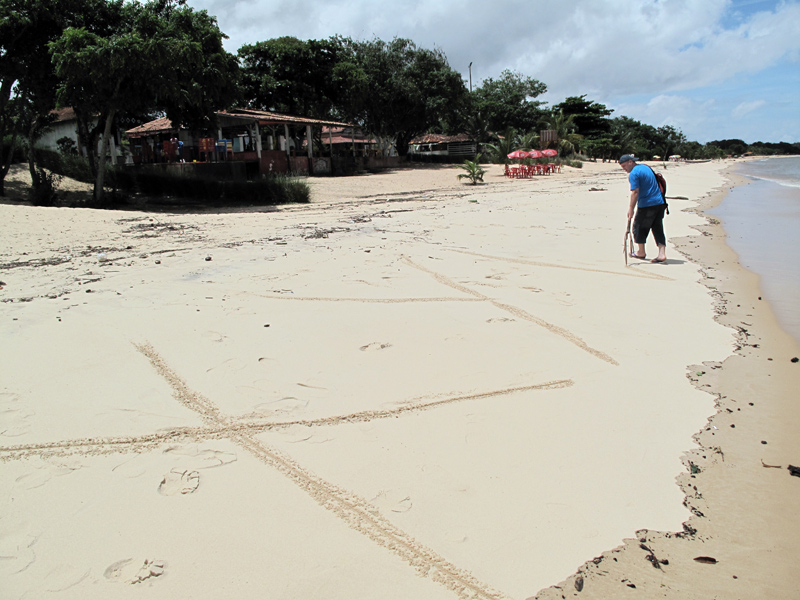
pixel 470 77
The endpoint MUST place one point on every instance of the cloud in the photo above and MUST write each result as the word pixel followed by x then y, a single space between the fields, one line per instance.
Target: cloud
pixel 747 107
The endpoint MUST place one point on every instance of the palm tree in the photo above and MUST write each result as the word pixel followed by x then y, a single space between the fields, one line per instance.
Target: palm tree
pixel 504 145
pixel 568 141
pixel 474 171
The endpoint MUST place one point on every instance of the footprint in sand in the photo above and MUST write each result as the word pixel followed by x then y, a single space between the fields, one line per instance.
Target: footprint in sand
pixel 286 405
pixel 500 320
pixel 202 458
pixel 179 482
pixel 16 550
pixel 132 572
pixel 15 417
pixel 374 346
pixel 214 336
pixel 393 501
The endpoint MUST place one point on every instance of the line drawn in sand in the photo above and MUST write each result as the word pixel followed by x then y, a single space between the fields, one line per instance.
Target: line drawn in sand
pixel 356 512
pixel 252 423
pixel 516 311
pixel 522 261
pixel 352 509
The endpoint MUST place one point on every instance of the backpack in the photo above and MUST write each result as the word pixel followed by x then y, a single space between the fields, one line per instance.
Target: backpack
pixel 662 185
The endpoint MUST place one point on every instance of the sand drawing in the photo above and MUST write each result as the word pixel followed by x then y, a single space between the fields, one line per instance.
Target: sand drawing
pixel 629 272
pixel 252 423
pixel 358 513
pixel 517 312
pixel 278 296
pixel 352 509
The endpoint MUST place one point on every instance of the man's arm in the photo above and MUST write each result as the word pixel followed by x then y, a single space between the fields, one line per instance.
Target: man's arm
pixel 634 200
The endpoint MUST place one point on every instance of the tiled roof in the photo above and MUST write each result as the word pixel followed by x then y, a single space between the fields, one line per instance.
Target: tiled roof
pixel 64 114
pixel 266 117
pixel 263 117
pixel 162 125
pixel 437 138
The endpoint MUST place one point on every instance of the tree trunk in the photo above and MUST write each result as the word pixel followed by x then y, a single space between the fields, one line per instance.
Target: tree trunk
pixel 101 160
pixel 32 156
pixel 86 138
pixel 7 163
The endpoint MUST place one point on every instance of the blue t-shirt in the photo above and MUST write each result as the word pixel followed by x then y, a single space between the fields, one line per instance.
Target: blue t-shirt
pixel 642 178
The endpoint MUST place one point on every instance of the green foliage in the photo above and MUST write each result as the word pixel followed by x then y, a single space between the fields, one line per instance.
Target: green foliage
pixel 474 171
pixel 509 101
pixel 69 165
pixel 66 145
pixel 292 76
pixel 504 144
pixel 563 124
pixel 734 146
pixel 161 55
pixel 275 189
pixel 44 191
pixel 589 118
pixel 396 90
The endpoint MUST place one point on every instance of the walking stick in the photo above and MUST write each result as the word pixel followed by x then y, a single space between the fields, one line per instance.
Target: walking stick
pixel 625 242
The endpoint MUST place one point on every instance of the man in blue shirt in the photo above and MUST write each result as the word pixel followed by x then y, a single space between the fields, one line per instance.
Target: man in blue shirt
pixel 646 195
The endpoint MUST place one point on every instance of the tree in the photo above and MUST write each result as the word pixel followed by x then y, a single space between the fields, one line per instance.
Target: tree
pixel 509 101
pixel 668 141
pixel 161 55
pixel 504 144
pixel 564 126
pixel 27 81
pixel 588 117
pixel 397 90
pixel 291 76
pixel 732 146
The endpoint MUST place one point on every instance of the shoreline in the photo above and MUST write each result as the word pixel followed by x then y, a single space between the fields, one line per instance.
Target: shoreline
pixel 737 476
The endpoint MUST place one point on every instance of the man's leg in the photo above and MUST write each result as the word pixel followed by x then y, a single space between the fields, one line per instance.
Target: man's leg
pixel 661 240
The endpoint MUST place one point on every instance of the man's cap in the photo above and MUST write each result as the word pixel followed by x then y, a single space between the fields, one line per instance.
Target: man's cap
pixel 626 157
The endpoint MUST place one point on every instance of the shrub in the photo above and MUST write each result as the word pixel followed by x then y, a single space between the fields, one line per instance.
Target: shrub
pixel 44 193
pixel 273 189
pixel 474 171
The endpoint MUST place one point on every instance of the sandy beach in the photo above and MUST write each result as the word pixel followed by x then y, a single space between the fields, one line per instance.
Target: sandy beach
pixel 410 388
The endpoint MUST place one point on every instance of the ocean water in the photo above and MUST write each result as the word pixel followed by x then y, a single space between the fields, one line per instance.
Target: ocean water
pixel 762 224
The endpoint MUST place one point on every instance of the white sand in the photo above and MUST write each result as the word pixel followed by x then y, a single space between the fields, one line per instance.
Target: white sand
pixel 393 392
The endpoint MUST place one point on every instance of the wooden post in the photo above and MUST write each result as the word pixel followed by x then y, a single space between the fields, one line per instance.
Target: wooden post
pixel 286 146
pixel 258 141
pixel 310 151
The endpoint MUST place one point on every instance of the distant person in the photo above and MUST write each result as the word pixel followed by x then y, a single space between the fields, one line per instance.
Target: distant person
pixel 650 206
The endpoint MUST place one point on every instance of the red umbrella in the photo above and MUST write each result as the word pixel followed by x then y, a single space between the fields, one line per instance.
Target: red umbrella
pixel 535 154
pixel 518 154
pixel 550 152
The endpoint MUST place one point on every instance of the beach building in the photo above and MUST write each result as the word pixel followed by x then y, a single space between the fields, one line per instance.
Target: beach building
pixel 247 143
pixel 444 147
pixel 66 126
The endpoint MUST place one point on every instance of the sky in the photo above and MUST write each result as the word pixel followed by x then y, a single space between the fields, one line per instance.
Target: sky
pixel 715 69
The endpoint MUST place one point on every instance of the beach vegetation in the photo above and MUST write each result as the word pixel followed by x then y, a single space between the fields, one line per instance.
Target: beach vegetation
pixel 568 141
pixel 474 171
pixel 588 118
pixel 397 90
pixel 269 190
pixel 509 101
pixel 292 76
pixel 160 56
pixel 504 144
